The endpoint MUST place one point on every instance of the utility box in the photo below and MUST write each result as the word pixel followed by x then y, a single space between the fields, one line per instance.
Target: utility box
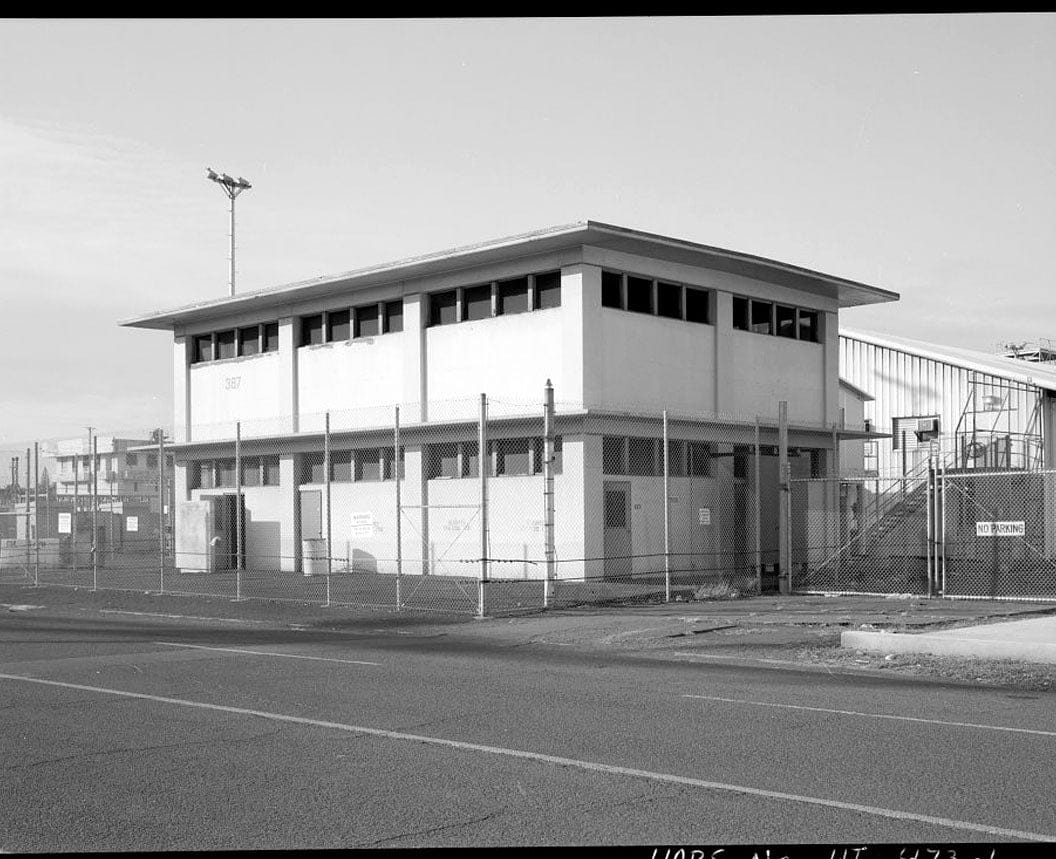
pixel 205 534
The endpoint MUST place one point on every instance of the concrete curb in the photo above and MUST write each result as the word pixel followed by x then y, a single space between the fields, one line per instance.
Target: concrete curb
pixel 947 645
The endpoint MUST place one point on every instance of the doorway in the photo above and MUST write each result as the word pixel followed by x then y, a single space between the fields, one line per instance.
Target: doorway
pixel 617 513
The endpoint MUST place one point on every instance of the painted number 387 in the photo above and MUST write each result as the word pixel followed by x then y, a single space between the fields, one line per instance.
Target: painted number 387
pixel 231 382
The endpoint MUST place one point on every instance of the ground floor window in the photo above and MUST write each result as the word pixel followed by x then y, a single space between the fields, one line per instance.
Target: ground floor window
pixel 359 465
pixel 507 457
pixel 220 473
pixel 644 457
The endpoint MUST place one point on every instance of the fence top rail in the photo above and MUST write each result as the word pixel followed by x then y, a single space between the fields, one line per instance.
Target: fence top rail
pixel 961 473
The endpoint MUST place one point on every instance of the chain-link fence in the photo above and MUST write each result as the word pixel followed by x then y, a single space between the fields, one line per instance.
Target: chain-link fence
pixel 998 534
pixel 395 507
pixel 957 532
pixel 861 535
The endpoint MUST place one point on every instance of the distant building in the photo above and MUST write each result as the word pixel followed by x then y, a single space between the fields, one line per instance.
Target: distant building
pixel 122 471
pixel 126 502
pixel 974 409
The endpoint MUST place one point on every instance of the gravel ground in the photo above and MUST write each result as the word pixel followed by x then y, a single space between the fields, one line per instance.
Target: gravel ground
pixel 1006 673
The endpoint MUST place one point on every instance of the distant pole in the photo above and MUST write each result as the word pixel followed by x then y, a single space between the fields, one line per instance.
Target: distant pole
pixel 113 537
pixel 73 515
pixel 232 188
pixel 88 490
pixel 28 465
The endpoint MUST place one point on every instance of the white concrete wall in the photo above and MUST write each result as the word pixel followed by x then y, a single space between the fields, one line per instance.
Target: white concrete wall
pixel 596 356
pixel 356 380
pixel 852 453
pixel 763 369
pixel 653 363
pixel 506 357
pixel 354 548
pixel 735 373
pixel 235 389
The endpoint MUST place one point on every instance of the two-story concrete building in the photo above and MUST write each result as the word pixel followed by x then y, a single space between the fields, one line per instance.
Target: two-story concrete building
pixel 624 323
pixel 123 469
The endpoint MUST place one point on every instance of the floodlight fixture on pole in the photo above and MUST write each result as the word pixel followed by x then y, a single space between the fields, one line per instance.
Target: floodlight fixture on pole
pixel 231 187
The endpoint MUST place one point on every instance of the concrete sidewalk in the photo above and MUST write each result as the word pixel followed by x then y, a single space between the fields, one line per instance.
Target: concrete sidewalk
pixel 1031 640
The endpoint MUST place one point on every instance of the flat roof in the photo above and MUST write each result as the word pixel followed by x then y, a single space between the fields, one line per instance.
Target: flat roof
pixel 1025 372
pixel 848 293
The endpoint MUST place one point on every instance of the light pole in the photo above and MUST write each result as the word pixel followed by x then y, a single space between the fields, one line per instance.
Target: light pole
pixel 231 187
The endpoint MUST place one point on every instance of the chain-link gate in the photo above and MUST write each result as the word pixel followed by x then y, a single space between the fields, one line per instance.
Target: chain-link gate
pixel 861 535
pixel 998 535
pixel 955 533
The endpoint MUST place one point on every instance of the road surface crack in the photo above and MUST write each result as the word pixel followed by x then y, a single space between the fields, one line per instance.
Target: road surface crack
pixel 133 749
pixel 417 832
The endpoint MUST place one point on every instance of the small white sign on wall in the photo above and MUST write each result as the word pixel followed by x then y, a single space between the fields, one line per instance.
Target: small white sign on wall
pixel 1000 529
pixel 65 523
pixel 705 515
pixel 131 523
pixel 362 524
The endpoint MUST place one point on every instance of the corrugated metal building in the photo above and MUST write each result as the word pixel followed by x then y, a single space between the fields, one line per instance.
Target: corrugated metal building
pixel 976 409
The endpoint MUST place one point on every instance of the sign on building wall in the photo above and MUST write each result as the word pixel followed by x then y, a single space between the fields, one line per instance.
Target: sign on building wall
pixel 1000 529
pixel 65 523
pixel 131 523
pixel 362 524
pixel 705 515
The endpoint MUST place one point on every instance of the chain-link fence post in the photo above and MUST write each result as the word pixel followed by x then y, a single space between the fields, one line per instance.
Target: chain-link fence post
pixel 758 515
pixel 329 512
pixel 784 508
pixel 548 493
pixel 238 510
pixel 484 460
pixel 112 540
pixel 667 512
pixel 837 500
pixel 399 512
pixel 73 515
pixel 95 513
pixel 942 527
pixel 36 513
pixel 29 465
pixel 161 508
pixel 930 532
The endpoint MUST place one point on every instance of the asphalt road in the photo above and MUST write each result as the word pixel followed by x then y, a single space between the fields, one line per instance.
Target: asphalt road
pixel 144 732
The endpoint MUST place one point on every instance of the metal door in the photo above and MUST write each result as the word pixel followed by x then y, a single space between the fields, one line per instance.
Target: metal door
pixel 617 514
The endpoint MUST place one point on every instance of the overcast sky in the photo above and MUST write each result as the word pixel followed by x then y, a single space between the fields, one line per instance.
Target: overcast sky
pixel 914 153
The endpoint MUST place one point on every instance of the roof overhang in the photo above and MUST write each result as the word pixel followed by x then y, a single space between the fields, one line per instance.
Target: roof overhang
pixel 847 293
